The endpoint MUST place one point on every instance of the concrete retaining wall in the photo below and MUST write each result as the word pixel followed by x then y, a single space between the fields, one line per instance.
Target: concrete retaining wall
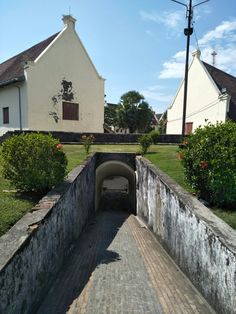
pixel 100 138
pixel 33 251
pixel 201 244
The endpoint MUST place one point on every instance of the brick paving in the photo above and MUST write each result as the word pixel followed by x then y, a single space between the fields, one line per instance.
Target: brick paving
pixel 118 267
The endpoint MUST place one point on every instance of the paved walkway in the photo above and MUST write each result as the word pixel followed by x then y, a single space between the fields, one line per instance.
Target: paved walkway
pixel 118 267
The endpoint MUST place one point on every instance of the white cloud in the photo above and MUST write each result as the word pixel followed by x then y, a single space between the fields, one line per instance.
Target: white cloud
pixel 172 69
pixel 221 39
pixel 223 31
pixel 180 56
pixel 157 93
pixel 200 12
pixel 206 9
pixel 171 19
pixel 153 17
pixel 225 58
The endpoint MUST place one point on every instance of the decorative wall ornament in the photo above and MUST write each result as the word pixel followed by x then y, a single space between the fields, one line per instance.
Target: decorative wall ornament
pixel 66 93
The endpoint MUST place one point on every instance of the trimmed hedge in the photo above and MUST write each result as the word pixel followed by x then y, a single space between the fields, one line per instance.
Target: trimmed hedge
pixel 33 162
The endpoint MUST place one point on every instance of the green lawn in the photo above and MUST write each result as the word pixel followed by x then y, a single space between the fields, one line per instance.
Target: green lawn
pixel 165 158
pixel 14 205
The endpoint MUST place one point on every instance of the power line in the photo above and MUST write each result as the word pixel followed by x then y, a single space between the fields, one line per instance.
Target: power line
pixel 209 105
pixel 196 38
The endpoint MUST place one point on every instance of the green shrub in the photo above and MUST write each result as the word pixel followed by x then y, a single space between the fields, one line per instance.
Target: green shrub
pixel 209 160
pixel 155 136
pixel 87 142
pixel 33 162
pixel 145 141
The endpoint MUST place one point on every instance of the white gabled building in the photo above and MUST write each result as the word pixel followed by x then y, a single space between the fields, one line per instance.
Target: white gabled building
pixel 211 98
pixel 53 86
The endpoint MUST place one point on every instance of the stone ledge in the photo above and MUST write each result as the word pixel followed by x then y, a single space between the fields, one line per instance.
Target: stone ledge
pixel 34 249
pixel 202 245
pixel 222 230
pixel 16 237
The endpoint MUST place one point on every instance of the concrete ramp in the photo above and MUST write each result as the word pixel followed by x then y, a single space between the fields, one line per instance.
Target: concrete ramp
pixel 117 266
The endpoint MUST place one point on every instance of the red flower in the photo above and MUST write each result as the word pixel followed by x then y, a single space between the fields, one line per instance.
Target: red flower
pixel 59 146
pixel 203 164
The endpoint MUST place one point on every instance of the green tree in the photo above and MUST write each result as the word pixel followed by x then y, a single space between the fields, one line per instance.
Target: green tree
pixel 144 117
pixel 110 115
pixel 163 123
pixel 134 112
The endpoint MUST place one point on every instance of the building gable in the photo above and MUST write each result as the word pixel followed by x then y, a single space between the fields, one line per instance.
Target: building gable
pixel 226 84
pixel 51 71
pixel 205 101
pixel 12 70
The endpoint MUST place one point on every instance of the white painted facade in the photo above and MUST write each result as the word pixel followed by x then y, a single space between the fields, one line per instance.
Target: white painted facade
pixel 16 101
pixel 65 58
pixel 205 102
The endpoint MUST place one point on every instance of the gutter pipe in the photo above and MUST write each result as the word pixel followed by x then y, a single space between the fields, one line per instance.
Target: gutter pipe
pixel 19 97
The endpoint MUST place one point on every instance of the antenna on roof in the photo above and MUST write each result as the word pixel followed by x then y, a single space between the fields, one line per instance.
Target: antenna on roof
pixel 69 10
pixel 214 54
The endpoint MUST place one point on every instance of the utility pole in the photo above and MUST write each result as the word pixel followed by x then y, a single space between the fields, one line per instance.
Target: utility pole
pixel 187 32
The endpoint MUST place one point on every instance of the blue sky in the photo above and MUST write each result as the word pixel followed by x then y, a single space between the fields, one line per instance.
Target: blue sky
pixel 134 44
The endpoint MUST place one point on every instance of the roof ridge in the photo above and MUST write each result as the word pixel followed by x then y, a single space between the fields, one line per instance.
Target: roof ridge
pixel 215 68
pixel 227 81
pixel 28 49
pixel 12 69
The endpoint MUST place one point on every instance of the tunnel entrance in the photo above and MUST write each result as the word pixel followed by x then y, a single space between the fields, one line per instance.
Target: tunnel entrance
pixel 115 194
pixel 115 187
pixel 115 184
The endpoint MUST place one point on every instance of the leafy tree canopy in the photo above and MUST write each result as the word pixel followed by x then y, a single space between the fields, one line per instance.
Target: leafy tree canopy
pixel 134 112
pixel 110 115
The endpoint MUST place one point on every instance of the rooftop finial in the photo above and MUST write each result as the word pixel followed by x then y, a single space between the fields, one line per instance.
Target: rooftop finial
pixel 214 54
pixel 196 53
pixel 69 21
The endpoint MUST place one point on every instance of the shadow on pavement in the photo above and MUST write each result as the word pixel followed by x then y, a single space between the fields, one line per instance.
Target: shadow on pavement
pixel 89 252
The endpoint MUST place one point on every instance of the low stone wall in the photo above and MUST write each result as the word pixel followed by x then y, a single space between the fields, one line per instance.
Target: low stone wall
pixel 100 138
pixel 201 244
pixel 33 251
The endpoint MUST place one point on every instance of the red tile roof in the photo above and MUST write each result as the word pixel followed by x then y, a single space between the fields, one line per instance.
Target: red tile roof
pixel 224 80
pixel 11 70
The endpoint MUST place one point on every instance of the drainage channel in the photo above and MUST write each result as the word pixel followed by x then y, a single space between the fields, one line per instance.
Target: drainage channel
pixel 115 265
pixel 118 267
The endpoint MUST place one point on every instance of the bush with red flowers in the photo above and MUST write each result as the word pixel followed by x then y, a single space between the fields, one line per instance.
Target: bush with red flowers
pixel 33 162
pixel 209 160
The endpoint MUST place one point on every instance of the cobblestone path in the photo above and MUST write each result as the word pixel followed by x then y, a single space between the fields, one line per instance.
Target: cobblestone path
pixel 118 267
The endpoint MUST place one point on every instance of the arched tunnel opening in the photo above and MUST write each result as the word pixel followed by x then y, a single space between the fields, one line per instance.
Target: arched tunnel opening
pixel 115 187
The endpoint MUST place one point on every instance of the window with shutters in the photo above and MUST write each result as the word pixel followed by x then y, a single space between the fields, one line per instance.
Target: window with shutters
pixel 70 111
pixel 5 114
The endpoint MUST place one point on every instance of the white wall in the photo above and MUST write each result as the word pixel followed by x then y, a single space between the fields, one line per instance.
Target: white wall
pixel 65 59
pixel 203 101
pixel 9 97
